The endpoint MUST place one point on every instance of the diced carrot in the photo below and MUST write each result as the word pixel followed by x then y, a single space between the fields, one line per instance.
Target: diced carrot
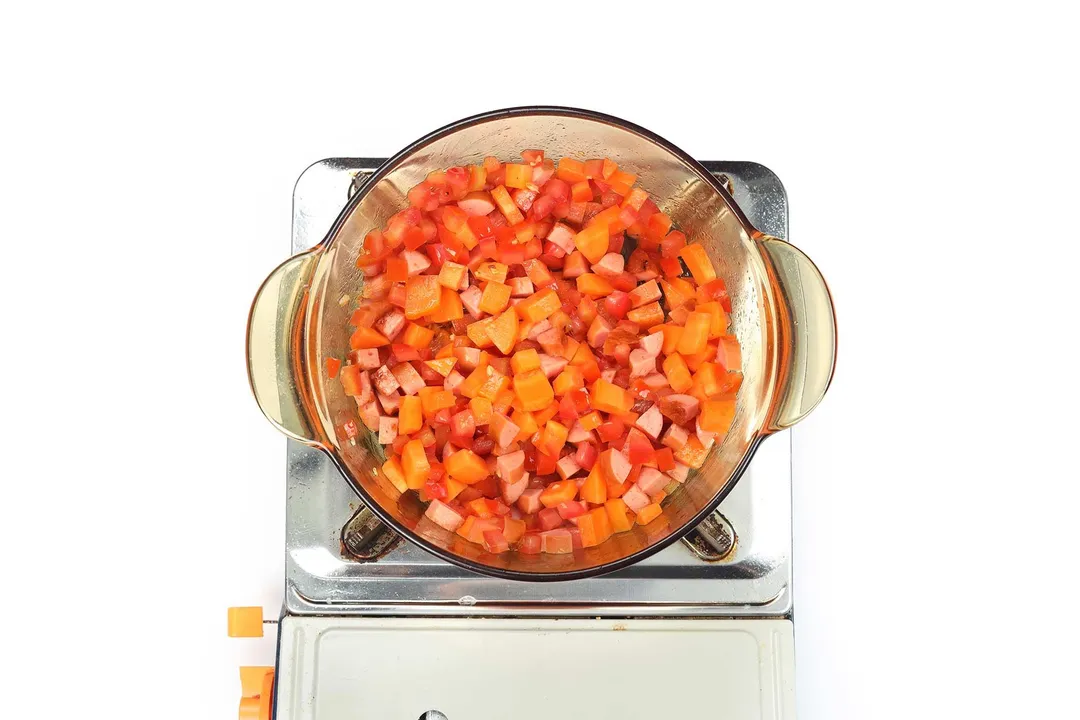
pixel 553 438
pixel 481 410
pixel 518 176
pixel 604 219
pixel 677 291
pixel 466 466
pixel 719 318
pixel 397 270
pixel 503 401
pixel 506 205
pixel 559 492
pixel 539 306
pixel 533 389
pixel 594 285
pixel 699 264
pixel 594 527
pixel 434 398
pixel 568 380
pixel 365 337
pixel 471 385
pixel 591 421
pixel 592 242
pixel 542 416
pixel 495 298
pixel 443 366
pixel 416 336
pixel 410 415
pixel 695 333
pixel 450 307
pixel 503 332
pixel 658 226
pixel 594 489
pixel 513 530
pixel 621 182
pixel 451 274
pixel 524 420
pixel 729 354
pixel 707 379
pixel 617 515
pixel 610 398
pixel 608 168
pixel 332 367
pixel 478 332
pixel 414 464
pixel 394 473
pixel 422 295
pixel 695 361
pixel 494 271
pixel 494 383
pixel 717 415
pixel 453 488
pixel 525 360
pixel 647 315
pixel 649 513
pixel 693 453
pixel 477 178
pixel 678 375
pixel 570 170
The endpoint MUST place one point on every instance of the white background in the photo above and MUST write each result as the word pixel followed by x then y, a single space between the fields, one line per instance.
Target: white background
pixel 929 152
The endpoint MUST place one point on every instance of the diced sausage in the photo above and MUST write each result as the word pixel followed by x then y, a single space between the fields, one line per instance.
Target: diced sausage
pixel 529 501
pixel 650 422
pixel 391 402
pixel 567 467
pixel 408 378
pixel 511 467
pixel 468 357
pixel 706 437
pixel 539 329
pixel 365 396
pixel 610 265
pixel 511 492
pixel 562 237
pixel 598 331
pixel 552 365
pixel 385 381
pixel 641 363
pixel 653 344
pixel 635 498
pixel 416 262
pixel 477 203
pixel 387 430
pixel 615 465
pixel 609 374
pixel 675 437
pixel 453 380
pixel 680 409
pixel 645 293
pixel 652 481
pixel 520 287
pixel 507 433
pixel 470 298
pixel 369 414
pixel 679 473
pixel 579 434
pixel 391 324
pixel 443 515
pixel 551 340
pixel 655 381
pixel 367 359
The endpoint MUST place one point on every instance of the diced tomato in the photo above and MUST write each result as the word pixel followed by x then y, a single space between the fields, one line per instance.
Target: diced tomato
pixel 610 430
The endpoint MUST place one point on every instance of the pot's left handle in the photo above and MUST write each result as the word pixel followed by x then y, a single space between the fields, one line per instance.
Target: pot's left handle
pixel 807 332
pixel 273 347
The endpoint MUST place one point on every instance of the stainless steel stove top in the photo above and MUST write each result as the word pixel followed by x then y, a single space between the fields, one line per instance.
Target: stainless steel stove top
pixel 737 564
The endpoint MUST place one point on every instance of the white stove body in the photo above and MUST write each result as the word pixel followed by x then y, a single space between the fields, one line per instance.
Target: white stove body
pixel 334 668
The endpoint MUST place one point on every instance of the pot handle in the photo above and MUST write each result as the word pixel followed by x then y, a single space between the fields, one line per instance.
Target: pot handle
pixel 272 359
pixel 807 332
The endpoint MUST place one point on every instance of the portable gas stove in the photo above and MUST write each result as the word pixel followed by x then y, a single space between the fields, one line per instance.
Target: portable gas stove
pixel 375 627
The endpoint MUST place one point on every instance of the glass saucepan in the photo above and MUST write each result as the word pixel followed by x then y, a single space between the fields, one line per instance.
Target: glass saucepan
pixel 782 314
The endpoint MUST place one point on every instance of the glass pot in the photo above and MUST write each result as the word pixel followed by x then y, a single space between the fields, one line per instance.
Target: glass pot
pixel 782 314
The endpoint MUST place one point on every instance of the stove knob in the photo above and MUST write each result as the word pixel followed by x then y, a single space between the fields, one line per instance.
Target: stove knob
pixel 245 622
pixel 257 692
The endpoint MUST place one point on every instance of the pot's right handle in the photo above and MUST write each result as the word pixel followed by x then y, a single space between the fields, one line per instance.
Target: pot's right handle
pixel 807 332
pixel 273 345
